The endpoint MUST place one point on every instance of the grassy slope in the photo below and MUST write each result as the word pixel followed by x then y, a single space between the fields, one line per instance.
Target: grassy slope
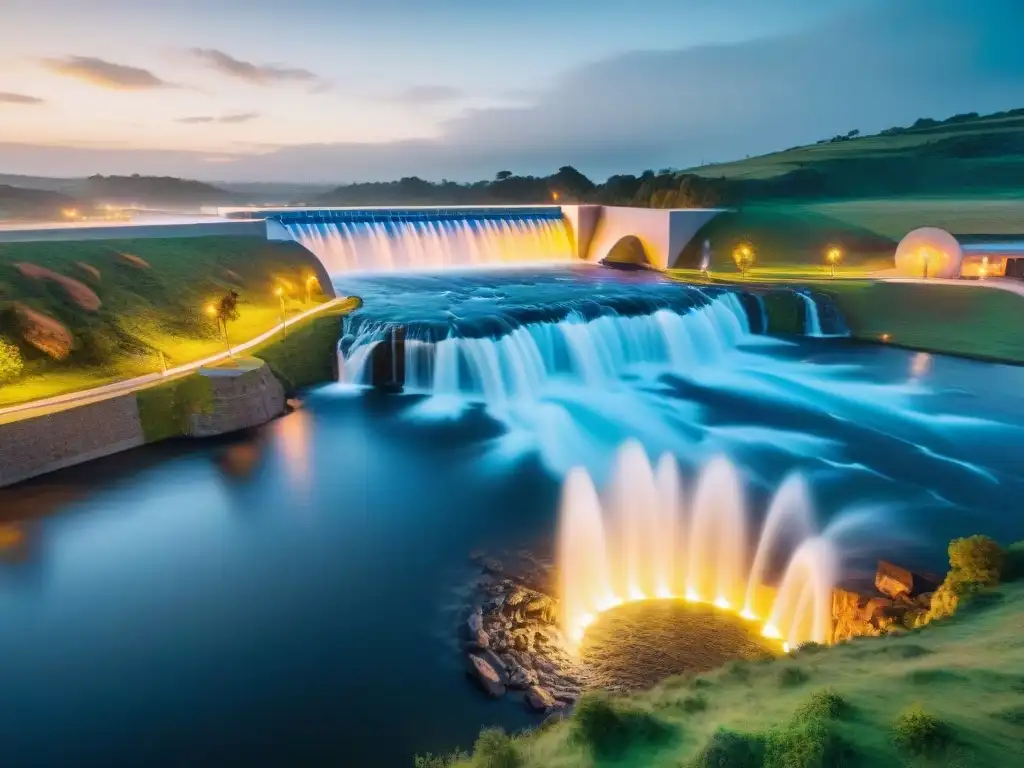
pixel 967 671
pixel 144 311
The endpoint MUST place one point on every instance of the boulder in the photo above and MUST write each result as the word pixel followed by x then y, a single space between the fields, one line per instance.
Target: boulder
pixel 493 565
pixel 475 622
pixel 900 583
pixel 538 699
pixel 495 662
pixel 487 677
pixel 481 640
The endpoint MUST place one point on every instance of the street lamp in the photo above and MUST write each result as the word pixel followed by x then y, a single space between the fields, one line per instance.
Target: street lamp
pixel 212 311
pixel 833 256
pixel 926 256
pixel 279 292
pixel 310 282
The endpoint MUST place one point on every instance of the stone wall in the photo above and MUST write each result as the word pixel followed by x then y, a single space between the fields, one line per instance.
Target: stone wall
pixel 248 398
pixel 37 445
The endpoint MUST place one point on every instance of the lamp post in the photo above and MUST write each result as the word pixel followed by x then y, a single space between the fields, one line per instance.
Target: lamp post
pixel 279 292
pixel 833 256
pixel 211 310
pixel 926 256
pixel 310 282
pixel 744 257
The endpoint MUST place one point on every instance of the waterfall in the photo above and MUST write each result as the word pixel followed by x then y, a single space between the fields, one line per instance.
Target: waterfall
pixel 585 351
pixel 812 321
pixel 428 244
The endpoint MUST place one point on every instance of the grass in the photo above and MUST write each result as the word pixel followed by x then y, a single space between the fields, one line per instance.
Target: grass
pixel 165 410
pixel 950 319
pixel 860 713
pixel 151 310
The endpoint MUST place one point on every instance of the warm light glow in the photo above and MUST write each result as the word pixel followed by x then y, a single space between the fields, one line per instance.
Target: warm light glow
pixel 279 292
pixel 834 255
pixel 886 337
pixel 70 213
pixel 641 539
pixel 555 196
pixel 744 256
pixel 211 309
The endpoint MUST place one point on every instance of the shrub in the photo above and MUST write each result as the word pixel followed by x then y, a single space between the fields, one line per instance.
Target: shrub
pixel 610 727
pixel 804 743
pixel 494 749
pixel 825 703
pixel 11 364
pixel 439 761
pixel 738 670
pixel 977 559
pixel 696 703
pixel 917 731
pixel 792 676
pixel 1013 715
pixel 732 749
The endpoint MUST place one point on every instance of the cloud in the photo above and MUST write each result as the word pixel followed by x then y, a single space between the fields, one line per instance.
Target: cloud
pixel 19 98
pixel 243 117
pixel 425 95
pixel 884 64
pixel 257 74
pixel 105 74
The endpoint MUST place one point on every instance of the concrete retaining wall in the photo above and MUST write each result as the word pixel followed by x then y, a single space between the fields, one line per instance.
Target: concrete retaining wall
pixel 36 445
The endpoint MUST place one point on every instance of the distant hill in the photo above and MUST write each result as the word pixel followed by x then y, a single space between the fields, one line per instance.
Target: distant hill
pixel 154 191
pixel 17 203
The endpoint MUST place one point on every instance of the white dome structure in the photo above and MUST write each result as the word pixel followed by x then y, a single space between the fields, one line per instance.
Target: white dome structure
pixel 929 252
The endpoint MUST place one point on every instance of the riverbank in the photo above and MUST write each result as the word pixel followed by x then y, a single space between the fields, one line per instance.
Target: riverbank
pixel 227 396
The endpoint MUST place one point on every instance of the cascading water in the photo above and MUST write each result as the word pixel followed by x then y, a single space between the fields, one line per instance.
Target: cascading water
pixel 813 312
pixel 645 540
pixel 812 321
pixel 587 351
pixel 425 244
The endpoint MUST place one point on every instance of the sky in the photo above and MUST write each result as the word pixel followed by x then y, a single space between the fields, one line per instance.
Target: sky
pixel 332 91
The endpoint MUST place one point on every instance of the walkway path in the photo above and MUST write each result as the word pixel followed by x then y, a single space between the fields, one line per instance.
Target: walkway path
pixel 141 382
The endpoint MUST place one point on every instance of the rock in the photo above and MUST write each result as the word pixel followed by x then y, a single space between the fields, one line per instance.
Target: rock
pixel 538 699
pixel 493 565
pixel 564 696
pixel 495 662
pixel 522 678
pixel 486 676
pixel 899 583
pixel 543 607
pixel 481 640
pixel 475 622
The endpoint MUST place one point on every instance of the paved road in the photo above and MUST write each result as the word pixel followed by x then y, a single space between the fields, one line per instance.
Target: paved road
pixel 140 382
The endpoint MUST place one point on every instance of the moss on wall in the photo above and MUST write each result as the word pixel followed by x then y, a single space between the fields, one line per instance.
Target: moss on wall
pixel 165 410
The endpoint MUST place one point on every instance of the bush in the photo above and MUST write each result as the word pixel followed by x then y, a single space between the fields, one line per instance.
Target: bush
pixel 439 761
pixel 805 743
pixel 696 703
pixel 825 703
pixel 494 749
pixel 917 731
pixel 610 727
pixel 790 677
pixel 977 559
pixel 732 749
pixel 11 364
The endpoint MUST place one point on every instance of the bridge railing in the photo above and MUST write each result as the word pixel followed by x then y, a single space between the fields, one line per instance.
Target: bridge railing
pixel 384 215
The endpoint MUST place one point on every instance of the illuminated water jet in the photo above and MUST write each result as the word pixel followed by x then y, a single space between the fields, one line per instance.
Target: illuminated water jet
pixel 641 541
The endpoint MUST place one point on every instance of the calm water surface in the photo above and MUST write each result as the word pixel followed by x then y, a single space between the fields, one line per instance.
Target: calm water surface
pixel 289 596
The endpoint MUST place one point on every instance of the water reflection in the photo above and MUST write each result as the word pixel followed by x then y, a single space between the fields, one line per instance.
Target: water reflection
pixel 920 366
pixel 238 461
pixel 294 436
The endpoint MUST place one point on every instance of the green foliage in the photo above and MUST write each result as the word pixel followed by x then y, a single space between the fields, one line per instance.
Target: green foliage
pixel 165 410
pixel 790 676
pixel 805 742
pixel 730 749
pixel 439 761
pixel 494 749
pixel 308 354
pixel 611 726
pixel 825 703
pixel 11 364
pixel 696 703
pixel 917 731
pixel 978 559
pixel 1012 715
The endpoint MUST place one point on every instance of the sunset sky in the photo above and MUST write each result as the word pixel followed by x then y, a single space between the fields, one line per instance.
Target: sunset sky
pixel 339 90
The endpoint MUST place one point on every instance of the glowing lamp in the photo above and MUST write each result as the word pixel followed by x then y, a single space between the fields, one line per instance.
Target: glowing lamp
pixel 211 310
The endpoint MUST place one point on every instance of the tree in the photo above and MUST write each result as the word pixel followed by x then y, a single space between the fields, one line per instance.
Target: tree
pixel 502 175
pixel 11 364
pixel 226 311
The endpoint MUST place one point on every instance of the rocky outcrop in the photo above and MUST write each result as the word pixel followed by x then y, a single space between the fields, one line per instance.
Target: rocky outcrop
pixel 900 583
pixel 901 601
pixel 510 629
pixel 244 395
pixel 486 676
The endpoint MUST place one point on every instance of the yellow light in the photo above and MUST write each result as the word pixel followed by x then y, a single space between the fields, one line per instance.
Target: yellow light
pixel 771 632
pixel 69 213
pixel 785 647
pixel 722 603
pixel 211 309
pixel 747 614
pixel 555 196
pixel 886 337
pixel 692 596
pixel 279 292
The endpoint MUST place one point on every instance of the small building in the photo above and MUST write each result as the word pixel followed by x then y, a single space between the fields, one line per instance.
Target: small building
pixel 933 252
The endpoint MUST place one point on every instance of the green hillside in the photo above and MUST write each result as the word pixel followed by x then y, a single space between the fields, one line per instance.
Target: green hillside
pixel 949 694
pixel 80 314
